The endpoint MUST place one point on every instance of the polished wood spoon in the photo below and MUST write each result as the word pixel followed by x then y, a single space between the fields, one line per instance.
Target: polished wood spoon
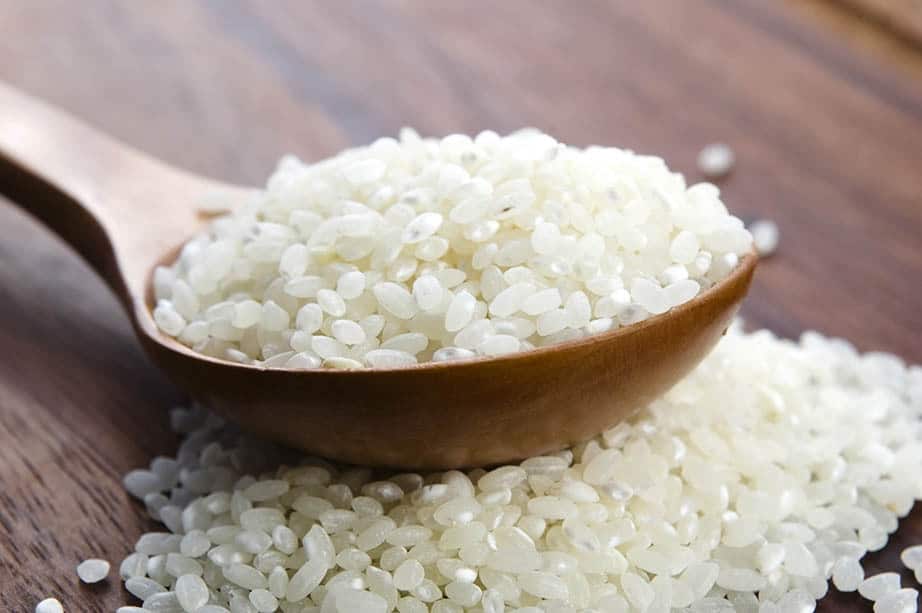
pixel 126 212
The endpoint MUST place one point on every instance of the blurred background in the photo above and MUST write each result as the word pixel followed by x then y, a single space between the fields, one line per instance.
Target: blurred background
pixel 821 101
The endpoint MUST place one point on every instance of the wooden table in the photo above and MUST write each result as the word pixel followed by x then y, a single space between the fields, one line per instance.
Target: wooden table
pixel 824 112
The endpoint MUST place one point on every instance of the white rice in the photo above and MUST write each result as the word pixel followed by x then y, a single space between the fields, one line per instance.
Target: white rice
pixel 93 570
pixel 772 468
pixel 912 557
pixel 901 601
pixel 475 246
pixel 765 236
pixel 49 605
pixel 878 586
pixel 716 160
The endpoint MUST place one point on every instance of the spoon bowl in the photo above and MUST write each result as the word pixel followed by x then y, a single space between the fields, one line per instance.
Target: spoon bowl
pixel 126 212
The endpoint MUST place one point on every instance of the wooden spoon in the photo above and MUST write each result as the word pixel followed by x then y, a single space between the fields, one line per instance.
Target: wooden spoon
pixel 126 212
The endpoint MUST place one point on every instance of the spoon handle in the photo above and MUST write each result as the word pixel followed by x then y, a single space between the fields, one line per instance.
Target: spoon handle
pixel 119 208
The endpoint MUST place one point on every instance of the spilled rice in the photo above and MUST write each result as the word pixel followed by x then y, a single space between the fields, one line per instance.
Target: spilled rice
pixel 771 469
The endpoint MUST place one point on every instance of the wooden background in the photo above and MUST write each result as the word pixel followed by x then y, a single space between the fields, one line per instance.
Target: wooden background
pixel 903 18
pixel 823 110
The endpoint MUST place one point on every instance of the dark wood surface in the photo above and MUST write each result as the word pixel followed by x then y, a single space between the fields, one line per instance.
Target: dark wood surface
pixel 902 17
pixel 828 134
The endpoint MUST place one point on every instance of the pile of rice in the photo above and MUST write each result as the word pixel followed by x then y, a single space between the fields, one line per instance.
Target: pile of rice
pixel 772 468
pixel 413 250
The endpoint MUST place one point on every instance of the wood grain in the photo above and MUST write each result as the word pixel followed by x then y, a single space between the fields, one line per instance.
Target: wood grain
pixel 866 37
pixel 902 17
pixel 829 139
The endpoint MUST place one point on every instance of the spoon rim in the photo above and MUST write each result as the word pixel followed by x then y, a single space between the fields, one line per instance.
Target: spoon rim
pixel 144 314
